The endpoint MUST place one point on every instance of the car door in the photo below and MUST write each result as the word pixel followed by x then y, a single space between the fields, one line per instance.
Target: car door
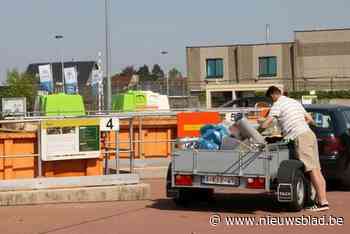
pixel 324 129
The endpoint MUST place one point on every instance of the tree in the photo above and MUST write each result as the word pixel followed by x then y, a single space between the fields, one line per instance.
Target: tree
pixel 128 71
pixel 174 73
pixel 157 71
pixel 144 73
pixel 22 85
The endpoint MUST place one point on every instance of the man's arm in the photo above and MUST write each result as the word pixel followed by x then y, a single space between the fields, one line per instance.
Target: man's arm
pixel 267 123
pixel 309 119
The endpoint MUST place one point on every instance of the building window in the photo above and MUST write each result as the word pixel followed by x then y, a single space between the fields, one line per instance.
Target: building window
pixel 215 68
pixel 268 66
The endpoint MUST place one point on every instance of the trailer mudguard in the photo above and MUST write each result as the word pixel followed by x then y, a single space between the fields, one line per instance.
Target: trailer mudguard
pixel 287 169
pixel 285 178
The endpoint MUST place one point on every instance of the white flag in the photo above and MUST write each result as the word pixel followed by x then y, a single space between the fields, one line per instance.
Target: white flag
pixel 70 75
pixel 45 73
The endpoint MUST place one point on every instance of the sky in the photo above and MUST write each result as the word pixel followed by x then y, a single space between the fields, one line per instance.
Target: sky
pixel 141 29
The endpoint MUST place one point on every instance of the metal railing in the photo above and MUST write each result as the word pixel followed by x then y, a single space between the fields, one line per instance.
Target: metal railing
pixel 111 147
pixel 324 83
pixel 177 87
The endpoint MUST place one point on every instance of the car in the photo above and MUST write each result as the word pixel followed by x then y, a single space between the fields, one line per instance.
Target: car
pixel 247 102
pixel 332 124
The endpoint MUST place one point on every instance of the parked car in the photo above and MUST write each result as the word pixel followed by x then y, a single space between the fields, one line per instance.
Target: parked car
pixel 247 102
pixel 332 125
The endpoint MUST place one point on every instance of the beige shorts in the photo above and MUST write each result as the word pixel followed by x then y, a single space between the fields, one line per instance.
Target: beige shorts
pixel 306 149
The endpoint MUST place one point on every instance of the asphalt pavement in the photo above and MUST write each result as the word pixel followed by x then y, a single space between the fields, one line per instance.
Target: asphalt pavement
pixel 229 213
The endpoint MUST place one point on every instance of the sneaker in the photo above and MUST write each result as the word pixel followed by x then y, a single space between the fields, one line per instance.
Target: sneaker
pixel 318 208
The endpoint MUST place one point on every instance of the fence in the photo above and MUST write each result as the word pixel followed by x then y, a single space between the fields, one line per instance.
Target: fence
pixel 296 84
pixel 141 136
pixel 173 87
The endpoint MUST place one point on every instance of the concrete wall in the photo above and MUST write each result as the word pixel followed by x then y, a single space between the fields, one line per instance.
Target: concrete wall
pixel 211 53
pixel 245 62
pixel 323 53
pixel 193 67
pixel 233 66
pixel 263 51
pixel 241 62
pixel 287 61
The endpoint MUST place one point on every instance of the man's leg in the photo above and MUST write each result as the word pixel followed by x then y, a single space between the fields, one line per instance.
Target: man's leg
pixel 307 152
pixel 319 183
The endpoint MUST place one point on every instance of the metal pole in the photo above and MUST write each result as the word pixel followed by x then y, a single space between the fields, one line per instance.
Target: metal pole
pixel 166 74
pixel 131 133
pixel 62 66
pixel 40 172
pixel 167 85
pixel 100 83
pixel 140 138
pixel 109 87
pixel 117 154
pixel 60 37
pixel 107 153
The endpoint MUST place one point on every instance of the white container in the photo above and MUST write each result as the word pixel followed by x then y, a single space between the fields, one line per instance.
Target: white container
pixel 155 101
pixel 152 100
pixel 163 103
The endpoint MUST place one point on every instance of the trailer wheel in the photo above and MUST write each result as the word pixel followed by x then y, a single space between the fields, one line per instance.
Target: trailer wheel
pixel 298 191
pixel 184 197
pixel 191 195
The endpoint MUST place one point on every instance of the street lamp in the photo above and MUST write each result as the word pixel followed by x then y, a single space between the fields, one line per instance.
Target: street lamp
pixel 60 37
pixel 108 54
pixel 163 52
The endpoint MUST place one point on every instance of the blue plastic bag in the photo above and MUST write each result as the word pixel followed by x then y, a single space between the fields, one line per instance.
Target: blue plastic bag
pixel 212 136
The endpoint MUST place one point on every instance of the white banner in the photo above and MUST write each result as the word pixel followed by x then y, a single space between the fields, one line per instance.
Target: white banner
pixel 45 73
pixel 14 106
pixel 70 75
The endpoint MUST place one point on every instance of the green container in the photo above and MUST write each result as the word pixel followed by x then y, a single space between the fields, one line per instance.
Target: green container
pixel 129 101
pixel 62 105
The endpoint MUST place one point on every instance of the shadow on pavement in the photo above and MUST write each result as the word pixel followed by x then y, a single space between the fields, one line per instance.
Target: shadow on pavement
pixel 229 203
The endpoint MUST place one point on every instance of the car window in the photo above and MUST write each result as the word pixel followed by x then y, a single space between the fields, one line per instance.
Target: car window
pixel 347 118
pixel 323 121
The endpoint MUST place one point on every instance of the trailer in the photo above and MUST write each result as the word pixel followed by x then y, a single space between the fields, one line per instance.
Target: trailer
pixel 253 165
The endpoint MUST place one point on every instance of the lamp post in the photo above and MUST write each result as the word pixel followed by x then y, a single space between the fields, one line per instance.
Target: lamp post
pixel 167 75
pixel 108 54
pixel 60 37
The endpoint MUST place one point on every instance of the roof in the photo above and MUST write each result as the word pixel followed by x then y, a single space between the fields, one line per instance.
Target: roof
pixel 248 44
pixel 84 69
pixel 326 107
pixel 121 80
pixel 323 29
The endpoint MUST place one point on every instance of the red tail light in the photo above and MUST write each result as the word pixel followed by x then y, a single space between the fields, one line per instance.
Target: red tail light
pixel 183 180
pixel 256 183
pixel 332 145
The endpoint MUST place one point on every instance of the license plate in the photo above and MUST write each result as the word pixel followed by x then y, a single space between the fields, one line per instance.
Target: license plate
pixel 220 180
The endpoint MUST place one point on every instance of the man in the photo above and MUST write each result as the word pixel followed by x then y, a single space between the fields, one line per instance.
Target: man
pixel 294 120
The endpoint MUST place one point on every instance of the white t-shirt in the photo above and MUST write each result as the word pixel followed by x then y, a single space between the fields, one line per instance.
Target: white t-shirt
pixel 291 117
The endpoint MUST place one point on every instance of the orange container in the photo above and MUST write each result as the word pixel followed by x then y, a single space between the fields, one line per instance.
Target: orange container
pixel 12 166
pixel 153 129
pixel 189 123
pixel 152 139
